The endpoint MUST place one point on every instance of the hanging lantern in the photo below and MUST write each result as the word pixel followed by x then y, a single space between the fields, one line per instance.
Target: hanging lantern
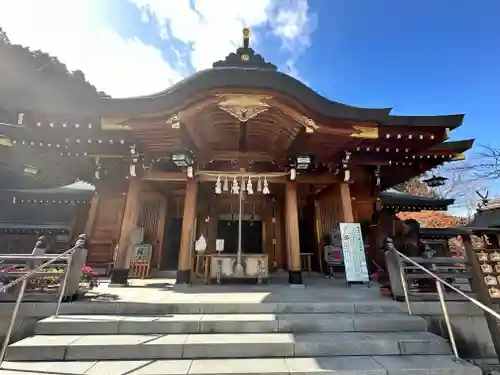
pixel 265 190
pixel 435 181
pixel 259 185
pixel 226 185
pixel 249 186
pixel 218 186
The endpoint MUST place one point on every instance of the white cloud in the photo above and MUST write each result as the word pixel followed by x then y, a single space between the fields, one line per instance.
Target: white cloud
pixel 75 32
pixel 213 27
pixel 72 31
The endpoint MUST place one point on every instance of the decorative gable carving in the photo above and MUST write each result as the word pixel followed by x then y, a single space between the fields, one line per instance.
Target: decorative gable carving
pixel 245 57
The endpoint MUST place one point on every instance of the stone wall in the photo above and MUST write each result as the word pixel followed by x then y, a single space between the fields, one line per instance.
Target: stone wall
pixel 469 326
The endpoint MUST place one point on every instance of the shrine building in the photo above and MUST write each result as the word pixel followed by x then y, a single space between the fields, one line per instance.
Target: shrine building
pixel 250 158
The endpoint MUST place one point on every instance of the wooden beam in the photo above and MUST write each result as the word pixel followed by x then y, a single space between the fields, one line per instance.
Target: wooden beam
pixel 227 155
pixel 165 176
pixel 302 178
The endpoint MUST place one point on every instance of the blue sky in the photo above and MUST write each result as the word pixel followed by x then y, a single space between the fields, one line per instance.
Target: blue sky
pixel 420 57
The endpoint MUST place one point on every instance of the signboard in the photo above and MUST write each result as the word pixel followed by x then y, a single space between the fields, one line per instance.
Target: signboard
pixel 356 270
pixel 333 252
pixel 219 244
pixel 333 255
pixel 142 252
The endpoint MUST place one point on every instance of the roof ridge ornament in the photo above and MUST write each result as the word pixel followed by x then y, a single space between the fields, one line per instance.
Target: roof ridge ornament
pixel 245 57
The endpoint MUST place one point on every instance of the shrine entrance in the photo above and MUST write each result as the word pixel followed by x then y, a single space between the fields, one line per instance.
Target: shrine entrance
pixel 251 235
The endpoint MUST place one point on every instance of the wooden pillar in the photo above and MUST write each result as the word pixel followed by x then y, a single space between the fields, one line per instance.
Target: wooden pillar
pixel 92 215
pixel 119 274
pixel 292 233
pixel 185 252
pixel 347 215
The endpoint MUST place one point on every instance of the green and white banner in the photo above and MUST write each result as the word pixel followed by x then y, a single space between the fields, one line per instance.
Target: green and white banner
pixel 353 249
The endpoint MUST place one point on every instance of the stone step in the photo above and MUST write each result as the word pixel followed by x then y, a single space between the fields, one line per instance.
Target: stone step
pixel 241 345
pixel 227 323
pixel 232 307
pixel 362 365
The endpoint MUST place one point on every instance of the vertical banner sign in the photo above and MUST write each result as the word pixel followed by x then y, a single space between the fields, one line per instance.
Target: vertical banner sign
pixel 356 270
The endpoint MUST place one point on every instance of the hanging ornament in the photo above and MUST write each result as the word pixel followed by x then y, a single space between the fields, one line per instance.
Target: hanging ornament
pixel 249 186
pixel 265 190
pixel 235 188
pixel 377 175
pixel 218 186
pixel 97 174
pixel 259 185
pixel 347 175
pixel 226 185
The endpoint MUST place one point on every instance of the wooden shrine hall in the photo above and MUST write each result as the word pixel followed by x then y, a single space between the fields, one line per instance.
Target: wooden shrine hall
pixel 243 156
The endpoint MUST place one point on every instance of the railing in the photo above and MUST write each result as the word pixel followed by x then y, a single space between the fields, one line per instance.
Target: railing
pixel 439 286
pixel 38 272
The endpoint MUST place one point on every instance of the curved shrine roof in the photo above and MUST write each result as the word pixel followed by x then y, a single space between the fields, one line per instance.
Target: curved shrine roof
pixel 252 78
pixel 393 197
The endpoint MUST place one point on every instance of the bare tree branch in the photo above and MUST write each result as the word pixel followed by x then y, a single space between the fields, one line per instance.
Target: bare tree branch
pixel 483 165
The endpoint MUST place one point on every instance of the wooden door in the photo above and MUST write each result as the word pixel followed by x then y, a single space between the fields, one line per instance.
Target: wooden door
pixel 171 244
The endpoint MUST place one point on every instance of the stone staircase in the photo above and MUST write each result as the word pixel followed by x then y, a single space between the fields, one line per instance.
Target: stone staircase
pixel 373 338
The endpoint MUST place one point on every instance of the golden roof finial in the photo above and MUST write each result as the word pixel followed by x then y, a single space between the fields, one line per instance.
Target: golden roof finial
pixel 246 37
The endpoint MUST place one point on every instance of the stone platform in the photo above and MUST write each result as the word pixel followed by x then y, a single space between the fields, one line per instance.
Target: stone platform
pixel 154 327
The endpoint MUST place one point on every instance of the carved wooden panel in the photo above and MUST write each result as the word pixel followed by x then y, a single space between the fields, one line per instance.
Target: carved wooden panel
pixel 328 214
pixel 152 218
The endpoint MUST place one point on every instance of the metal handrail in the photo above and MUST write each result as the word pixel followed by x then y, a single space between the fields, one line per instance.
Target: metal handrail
pixel 439 285
pixel 24 279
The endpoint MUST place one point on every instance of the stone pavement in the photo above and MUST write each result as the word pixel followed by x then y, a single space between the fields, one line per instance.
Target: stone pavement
pixel 164 290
